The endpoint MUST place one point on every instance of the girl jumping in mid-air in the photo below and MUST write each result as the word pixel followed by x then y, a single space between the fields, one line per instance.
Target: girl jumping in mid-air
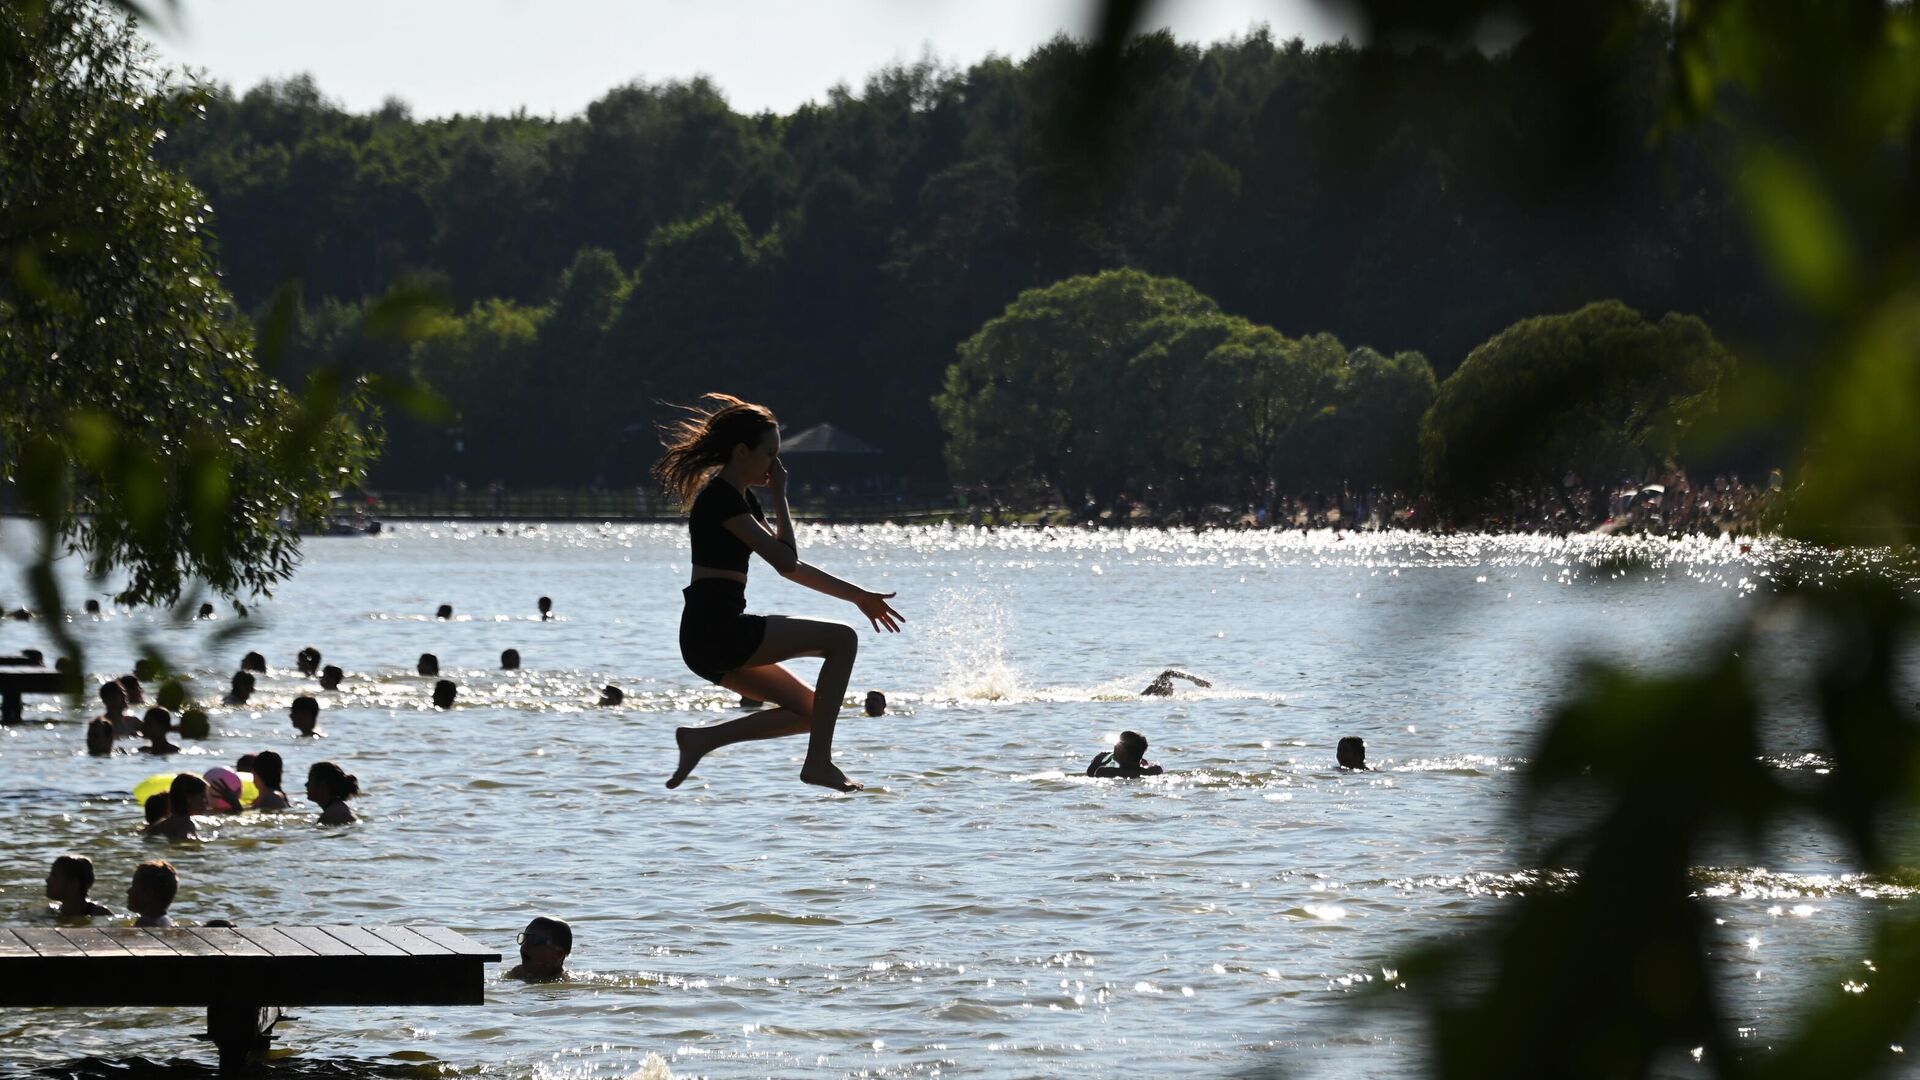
pixel 712 458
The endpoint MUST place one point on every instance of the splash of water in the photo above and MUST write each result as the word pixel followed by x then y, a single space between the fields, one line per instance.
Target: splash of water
pixel 969 628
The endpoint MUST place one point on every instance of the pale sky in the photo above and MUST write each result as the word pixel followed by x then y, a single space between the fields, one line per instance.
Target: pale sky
pixel 555 56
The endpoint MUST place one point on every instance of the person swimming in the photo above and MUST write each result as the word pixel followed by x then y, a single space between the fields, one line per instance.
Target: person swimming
pixel 330 677
pixel 876 703
pixel 428 665
pixel 510 660
pixel 268 776
pixel 240 689
pixel 305 714
pixel 329 787
pixel 131 684
pixel 67 885
pixel 1162 684
pixel 1351 753
pixel 444 612
pixel 443 694
pixel 186 796
pixel 113 698
pixel 308 661
pixel 100 737
pixel 545 604
pixel 612 695
pixel 712 458
pixel 253 661
pixel 155 726
pixel 1128 759
pixel 155 884
pixel 544 947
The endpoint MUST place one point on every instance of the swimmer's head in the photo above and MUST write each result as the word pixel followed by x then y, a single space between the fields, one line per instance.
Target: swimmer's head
pixel 305 714
pixel 330 677
pixel 725 431
pixel 545 605
pixel 100 737
pixel 242 686
pixel 328 783
pixel 246 762
pixel 428 664
pixel 70 878
pixel 143 669
pixel 156 806
pixel 1130 749
pixel 876 703
pixel 544 946
pixel 444 611
pixel 155 883
pixel 253 661
pixel 172 695
pixel 510 660
pixel 135 696
pixel 156 723
pixel 443 692
pixel 187 795
pixel 268 770
pixel 1352 752
pixel 113 696
pixel 612 695
pixel 93 607
pixel 308 660
pixel 194 724
pixel 206 612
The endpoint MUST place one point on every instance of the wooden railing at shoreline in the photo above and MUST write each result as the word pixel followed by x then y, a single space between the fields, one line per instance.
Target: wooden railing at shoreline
pixel 560 505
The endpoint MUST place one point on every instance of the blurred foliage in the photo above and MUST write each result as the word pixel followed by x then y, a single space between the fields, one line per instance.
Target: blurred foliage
pixel 1123 381
pixel 138 422
pixel 830 259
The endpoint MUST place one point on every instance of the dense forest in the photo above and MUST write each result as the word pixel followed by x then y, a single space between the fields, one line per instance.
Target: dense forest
pixel 831 261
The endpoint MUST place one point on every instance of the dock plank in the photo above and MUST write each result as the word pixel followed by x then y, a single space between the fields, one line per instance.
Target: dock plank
pixel 139 941
pixel 47 941
pixel 454 941
pixel 92 940
pixel 366 941
pixel 13 946
pixel 228 942
pixel 318 941
pixel 271 939
pixel 182 941
pixel 410 941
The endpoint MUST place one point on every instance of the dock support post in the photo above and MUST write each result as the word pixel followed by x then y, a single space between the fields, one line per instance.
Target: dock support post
pixel 237 1031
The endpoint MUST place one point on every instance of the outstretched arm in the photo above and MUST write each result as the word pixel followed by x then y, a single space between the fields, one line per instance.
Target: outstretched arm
pixel 785 560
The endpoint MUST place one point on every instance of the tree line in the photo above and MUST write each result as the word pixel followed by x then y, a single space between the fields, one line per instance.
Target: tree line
pixel 831 260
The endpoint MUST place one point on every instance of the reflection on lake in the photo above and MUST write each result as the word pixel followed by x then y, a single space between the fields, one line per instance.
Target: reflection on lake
pixel 983 909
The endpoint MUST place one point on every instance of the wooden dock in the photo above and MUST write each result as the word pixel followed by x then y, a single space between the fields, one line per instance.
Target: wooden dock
pixel 240 975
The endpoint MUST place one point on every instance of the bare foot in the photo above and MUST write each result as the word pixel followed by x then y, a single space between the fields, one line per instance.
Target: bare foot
pixel 828 776
pixel 692 749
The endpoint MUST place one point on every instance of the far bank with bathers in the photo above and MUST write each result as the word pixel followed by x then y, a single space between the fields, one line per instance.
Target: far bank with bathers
pixel 716 633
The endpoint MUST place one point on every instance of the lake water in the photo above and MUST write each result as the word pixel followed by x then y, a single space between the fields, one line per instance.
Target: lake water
pixel 982 910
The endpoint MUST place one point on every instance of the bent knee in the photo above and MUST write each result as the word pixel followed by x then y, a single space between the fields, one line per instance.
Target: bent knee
pixel 844 639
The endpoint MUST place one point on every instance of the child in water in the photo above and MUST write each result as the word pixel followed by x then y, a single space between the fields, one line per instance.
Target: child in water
pixel 68 882
pixel 267 769
pixel 1128 758
pixel 329 787
pixel 155 883
pixel 544 947
pixel 186 796
pixel 155 726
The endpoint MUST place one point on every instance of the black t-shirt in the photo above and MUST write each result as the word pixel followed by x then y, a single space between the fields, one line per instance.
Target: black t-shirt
pixel 713 546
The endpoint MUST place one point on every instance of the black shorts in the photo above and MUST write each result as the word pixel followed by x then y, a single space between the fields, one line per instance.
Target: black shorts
pixel 716 633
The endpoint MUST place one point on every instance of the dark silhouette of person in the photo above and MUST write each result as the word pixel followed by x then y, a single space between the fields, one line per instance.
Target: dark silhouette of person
pixel 135 695
pixel 443 692
pixel 445 612
pixel 1128 758
pixel 308 661
pixel 510 660
pixel 143 669
pixel 305 714
pixel 612 695
pixel 93 607
pixel 1352 753
pixel 429 664
pixel 876 703
pixel 330 677
pixel 253 661
pixel 1162 684
pixel 546 608
pixel 241 690
pixel 206 612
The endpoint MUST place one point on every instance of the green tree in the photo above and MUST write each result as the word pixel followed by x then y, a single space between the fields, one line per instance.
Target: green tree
pixel 1033 396
pixel 1600 391
pixel 132 414
pixel 484 364
pixel 1363 431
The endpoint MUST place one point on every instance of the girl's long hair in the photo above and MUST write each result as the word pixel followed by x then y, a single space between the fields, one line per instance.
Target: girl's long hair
pixel 704 440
